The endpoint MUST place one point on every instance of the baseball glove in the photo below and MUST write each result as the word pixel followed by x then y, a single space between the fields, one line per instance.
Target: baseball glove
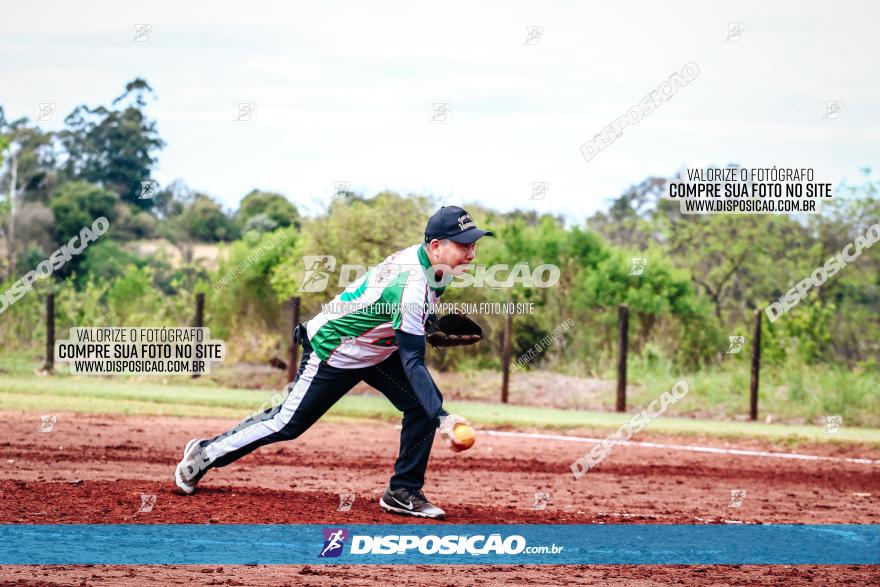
pixel 452 330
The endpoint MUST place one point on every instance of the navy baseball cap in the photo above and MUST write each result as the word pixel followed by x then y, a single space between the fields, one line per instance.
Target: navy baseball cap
pixel 455 224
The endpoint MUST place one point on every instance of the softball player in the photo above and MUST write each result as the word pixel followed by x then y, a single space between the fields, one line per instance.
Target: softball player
pixel 374 331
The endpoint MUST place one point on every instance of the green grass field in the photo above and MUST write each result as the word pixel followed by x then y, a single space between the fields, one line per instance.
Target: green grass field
pixel 202 399
pixel 793 393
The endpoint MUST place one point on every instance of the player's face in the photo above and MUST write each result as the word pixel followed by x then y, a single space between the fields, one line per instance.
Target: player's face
pixel 456 255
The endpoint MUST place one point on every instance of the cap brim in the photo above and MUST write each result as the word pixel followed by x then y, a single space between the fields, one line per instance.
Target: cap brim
pixel 470 235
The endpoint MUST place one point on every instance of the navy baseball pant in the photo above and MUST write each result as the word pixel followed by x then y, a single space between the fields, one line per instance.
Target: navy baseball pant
pixel 316 388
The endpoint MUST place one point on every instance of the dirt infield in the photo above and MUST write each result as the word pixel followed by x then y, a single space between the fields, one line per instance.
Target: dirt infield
pixel 94 469
pixel 439 575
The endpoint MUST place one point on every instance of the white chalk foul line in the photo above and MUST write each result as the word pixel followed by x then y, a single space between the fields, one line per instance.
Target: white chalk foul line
pixel 686 447
pixel 658 516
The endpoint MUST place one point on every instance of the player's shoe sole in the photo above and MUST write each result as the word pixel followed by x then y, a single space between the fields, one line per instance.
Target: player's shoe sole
pixel 185 486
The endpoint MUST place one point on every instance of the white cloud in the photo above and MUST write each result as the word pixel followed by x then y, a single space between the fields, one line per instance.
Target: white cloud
pixel 344 91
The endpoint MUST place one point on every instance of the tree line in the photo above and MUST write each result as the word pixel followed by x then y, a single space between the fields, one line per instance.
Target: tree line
pixel 701 277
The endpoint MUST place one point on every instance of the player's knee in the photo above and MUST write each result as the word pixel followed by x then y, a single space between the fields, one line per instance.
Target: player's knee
pixel 416 415
pixel 290 431
pixel 420 425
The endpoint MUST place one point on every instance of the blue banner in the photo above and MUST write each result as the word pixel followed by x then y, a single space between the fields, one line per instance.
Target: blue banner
pixel 640 544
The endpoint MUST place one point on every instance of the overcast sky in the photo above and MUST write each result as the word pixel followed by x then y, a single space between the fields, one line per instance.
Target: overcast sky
pixel 346 91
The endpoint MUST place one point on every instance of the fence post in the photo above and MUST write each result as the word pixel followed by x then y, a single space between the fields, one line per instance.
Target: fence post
pixel 50 333
pixel 293 358
pixel 756 367
pixel 505 356
pixel 199 321
pixel 622 343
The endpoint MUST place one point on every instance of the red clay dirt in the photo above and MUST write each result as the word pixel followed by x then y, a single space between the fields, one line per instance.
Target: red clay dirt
pixel 94 468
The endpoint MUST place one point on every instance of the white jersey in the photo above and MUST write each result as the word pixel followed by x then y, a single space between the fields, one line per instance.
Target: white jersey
pixel 357 328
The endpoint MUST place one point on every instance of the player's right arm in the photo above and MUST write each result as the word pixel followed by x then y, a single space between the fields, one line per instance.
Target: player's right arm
pixel 412 354
pixel 408 320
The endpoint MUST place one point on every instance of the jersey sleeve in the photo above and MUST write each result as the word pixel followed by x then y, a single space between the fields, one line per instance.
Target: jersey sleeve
pixel 412 355
pixel 409 303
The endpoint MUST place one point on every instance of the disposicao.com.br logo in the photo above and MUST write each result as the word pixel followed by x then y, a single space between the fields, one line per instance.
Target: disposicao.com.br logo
pixel 431 544
pixel 334 540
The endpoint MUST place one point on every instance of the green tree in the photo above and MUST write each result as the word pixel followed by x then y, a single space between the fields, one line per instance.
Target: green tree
pixel 355 231
pixel 106 261
pixel 114 148
pixel 77 204
pixel 27 174
pixel 171 200
pixel 628 219
pixel 258 224
pixel 274 206
pixel 736 260
pixel 854 292
pixel 132 223
pixel 205 220
pixel 35 160
pixel 241 290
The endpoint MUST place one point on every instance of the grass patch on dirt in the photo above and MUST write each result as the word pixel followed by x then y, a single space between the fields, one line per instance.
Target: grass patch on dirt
pixel 152 397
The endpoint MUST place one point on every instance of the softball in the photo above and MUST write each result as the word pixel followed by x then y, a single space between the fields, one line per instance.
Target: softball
pixel 464 437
